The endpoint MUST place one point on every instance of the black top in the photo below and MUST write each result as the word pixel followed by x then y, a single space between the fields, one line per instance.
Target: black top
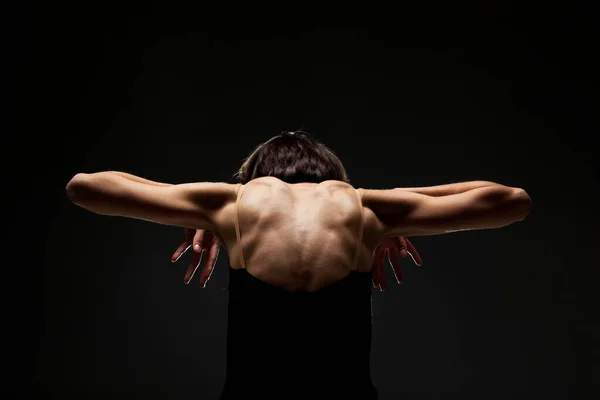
pixel 283 345
pixel 288 345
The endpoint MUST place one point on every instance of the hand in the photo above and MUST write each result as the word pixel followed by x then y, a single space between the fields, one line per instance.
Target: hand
pixel 394 247
pixel 203 242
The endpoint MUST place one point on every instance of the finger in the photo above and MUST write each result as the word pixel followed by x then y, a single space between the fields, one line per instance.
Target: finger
pixel 377 268
pixel 381 275
pixel 191 270
pixel 374 280
pixel 209 237
pixel 374 267
pixel 209 264
pixel 393 259
pixel 375 283
pixel 414 254
pixel 400 243
pixel 183 247
pixel 198 239
pixel 208 240
pixel 381 271
pixel 374 275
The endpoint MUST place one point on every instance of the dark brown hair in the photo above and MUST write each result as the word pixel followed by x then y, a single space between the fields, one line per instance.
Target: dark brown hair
pixel 293 157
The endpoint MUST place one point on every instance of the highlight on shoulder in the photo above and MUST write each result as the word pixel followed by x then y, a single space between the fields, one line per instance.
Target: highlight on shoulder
pixel 326 188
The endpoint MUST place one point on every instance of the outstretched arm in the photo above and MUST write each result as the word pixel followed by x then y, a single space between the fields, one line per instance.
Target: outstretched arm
pixel 449 189
pixel 191 205
pixel 138 178
pixel 464 206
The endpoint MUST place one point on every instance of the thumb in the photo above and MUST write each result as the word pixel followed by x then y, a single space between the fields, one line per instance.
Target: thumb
pixel 198 239
pixel 400 243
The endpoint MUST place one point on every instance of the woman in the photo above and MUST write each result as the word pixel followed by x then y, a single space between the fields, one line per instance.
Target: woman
pixel 300 241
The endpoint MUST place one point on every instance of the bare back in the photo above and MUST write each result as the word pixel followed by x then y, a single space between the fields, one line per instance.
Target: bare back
pixel 301 237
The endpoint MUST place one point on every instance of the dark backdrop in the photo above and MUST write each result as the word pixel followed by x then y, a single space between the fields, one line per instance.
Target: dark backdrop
pixel 405 98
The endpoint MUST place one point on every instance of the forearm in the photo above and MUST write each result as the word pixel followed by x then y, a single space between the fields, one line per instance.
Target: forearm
pixel 449 189
pixel 138 179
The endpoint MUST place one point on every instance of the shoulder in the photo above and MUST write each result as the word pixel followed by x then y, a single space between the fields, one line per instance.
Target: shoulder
pixel 388 197
pixel 342 193
pixel 207 193
pixel 336 186
pixel 274 186
pixel 259 188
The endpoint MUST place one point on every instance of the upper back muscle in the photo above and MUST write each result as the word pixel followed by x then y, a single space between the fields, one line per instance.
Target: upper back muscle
pixel 300 236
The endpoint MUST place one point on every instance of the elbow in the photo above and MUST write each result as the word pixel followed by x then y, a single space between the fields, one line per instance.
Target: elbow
pixel 92 192
pixel 523 203
pixel 76 188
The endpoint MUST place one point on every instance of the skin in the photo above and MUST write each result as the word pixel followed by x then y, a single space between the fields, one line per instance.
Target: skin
pixel 206 248
pixel 302 237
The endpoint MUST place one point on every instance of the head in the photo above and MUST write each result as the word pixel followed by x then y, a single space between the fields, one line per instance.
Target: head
pixel 293 157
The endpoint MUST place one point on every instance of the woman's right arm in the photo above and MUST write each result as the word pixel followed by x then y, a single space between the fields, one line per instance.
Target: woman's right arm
pixel 447 208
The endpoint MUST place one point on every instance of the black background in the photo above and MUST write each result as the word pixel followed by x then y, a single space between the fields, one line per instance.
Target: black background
pixel 500 92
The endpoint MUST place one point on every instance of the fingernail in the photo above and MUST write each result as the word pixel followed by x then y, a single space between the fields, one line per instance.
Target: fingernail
pixel 197 246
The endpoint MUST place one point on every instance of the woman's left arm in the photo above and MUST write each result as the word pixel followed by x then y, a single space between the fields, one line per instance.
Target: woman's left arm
pixel 189 205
